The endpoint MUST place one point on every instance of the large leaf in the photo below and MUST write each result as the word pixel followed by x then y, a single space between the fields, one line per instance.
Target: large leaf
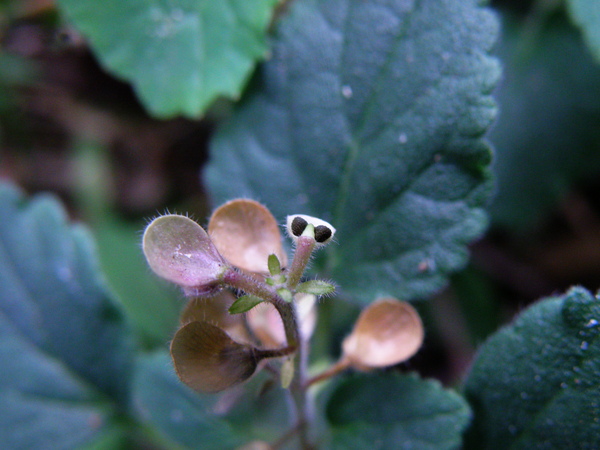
pixel 152 306
pixel 586 14
pixel 535 383
pixel 393 411
pixel 369 115
pixel 180 54
pixel 546 137
pixel 182 415
pixel 66 349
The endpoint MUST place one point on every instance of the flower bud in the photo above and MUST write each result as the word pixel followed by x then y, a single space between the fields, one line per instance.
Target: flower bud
pixel 179 250
pixel 300 224
pixel 387 332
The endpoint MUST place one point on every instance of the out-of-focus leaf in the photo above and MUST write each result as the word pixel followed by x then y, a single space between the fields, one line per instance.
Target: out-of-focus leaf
pixel 180 55
pixel 183 416
pixel 547 134
pixel 152 305
pixel 535 383
pixel 586 14
pixel 370 116
pixel 395 411
pixel 66 349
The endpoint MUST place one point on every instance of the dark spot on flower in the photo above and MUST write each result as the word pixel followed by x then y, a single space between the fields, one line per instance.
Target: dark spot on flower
pixel 298 226
pixel 322 233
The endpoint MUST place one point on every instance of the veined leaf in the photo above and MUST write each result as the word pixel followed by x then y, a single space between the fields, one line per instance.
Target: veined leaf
pixel 370 116
pixel 180 55
pixel 66 349
pixel 392 411
pixel 534 384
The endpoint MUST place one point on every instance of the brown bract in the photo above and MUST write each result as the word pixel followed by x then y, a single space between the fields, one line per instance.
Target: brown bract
pixel 387 332
pixel 246 233
pixel 208 360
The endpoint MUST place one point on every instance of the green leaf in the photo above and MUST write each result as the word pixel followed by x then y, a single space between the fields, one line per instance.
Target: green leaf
pixel 180 55
pixel 370 116
pixel 586 14
pixel 244 304
pixel 535 384
pixel 66 349
pixel 316 287
pixel 274 265
pixel 182 415
pixel 395 411
pixel 549 103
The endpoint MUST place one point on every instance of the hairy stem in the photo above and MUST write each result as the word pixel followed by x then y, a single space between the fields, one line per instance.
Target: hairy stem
pixel 304 248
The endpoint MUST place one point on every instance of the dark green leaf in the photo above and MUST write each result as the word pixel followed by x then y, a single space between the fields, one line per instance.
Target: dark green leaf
pixel 370 116
pixel 586 14
pixel 182 415
pixel 244 304
pixel 548 121
pixel 395 411
pixel 180 55
pixel 66 349
pixel 316 287
pixel 535 383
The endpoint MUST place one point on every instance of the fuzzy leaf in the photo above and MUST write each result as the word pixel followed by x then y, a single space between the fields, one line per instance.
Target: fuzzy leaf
pixel 316 287
pixel 66 349
pixel 179 55
pixel 409 413
pixel 244 304
pixel 535 384
pixel 370 116
pixel 586 14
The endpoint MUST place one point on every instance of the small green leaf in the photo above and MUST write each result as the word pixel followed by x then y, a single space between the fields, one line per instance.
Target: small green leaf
pixel 395 411
pixel 586 14
pixel 285 294
pixel 244 304
pixel 185 417
pixel 316 287
pixel 534 384
pixel 179 55
pixel 66 350
pixel 274 265
pixel 370 115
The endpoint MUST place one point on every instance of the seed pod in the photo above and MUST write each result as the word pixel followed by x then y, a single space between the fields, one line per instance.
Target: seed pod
pixel 179 250
pixel 387 332
pixel 246 233
pixel 208 360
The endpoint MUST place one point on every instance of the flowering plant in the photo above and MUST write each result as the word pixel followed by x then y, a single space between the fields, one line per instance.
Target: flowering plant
pixel 241 262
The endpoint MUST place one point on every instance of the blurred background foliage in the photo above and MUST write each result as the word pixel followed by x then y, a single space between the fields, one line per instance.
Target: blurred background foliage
pixel 69 127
